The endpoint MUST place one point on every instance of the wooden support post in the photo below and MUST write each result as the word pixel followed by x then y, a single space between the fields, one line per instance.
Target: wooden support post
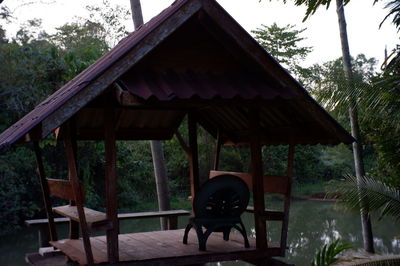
pixel 285 222
pixel 193 155
pixel 172 222
pixel 78 193
pixel 45 193
pixel 73 225
pixel 217 151
pixel 44 235
pixel 111 185
pixel 258 181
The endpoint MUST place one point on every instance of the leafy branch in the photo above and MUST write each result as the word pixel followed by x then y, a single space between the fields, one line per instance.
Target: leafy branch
pixel 327 255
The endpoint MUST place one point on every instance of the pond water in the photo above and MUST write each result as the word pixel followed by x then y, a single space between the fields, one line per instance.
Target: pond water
pixel 311 225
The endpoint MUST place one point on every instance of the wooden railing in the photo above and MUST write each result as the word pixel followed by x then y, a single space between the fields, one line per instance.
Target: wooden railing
pixel 172 218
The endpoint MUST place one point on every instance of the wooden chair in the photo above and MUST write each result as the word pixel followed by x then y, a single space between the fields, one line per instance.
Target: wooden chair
pixel 94 220
pixel 82 218
pixel 86 219
pixel 217 207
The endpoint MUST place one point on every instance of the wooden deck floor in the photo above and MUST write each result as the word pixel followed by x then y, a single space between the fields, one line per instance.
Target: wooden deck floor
pixel 166 247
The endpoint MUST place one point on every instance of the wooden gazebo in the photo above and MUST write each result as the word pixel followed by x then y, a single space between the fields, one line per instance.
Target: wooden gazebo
pixel 193 60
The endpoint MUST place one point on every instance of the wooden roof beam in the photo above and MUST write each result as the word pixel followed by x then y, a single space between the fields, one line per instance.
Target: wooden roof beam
pixel 128 134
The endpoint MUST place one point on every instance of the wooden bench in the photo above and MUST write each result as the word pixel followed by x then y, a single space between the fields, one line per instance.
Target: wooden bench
pixel 172 216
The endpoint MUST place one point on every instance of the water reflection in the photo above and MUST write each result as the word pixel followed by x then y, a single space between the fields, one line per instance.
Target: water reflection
pixel 311 225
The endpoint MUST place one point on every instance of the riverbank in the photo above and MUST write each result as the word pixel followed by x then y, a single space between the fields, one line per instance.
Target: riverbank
pixel 312 191
pixel 362 258
pixel 314 198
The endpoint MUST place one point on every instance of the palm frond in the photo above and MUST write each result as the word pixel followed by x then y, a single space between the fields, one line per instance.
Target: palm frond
pixel 366 191
pixel 328 254
pixel 394 10
pixel 313 5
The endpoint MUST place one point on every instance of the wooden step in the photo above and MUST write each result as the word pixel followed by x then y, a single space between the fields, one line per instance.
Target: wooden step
pixel 35 259
pixel 270 215
pixel 94 219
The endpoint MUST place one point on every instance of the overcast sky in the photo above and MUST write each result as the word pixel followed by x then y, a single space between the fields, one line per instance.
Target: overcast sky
pixel 322 33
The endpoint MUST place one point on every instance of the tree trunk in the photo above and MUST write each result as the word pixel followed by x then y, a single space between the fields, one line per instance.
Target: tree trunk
pixel 156 146
pixel 355 129
pixel 160 174
pixel 137 16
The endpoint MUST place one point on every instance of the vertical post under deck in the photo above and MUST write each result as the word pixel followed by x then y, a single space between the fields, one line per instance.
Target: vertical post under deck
pixel 111 185
pixel 45 192
pixel 285 222
pixel 258 181
pixel 193 155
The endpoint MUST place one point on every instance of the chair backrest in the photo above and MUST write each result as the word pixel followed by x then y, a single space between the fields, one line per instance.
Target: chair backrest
pixel 272 184
pixel 63 189
pixel 220 197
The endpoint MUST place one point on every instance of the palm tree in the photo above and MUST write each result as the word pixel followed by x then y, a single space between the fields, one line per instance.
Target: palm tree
pixel 381 197
pixel 355 128
pixel 312 6
pixel 389 82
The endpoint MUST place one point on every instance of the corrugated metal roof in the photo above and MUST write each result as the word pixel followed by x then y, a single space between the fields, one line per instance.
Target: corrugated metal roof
pixel 165 86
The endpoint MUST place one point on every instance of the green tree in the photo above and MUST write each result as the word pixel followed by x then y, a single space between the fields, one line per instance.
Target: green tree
pixel 328 83
pixel 111 17
pixel 35 64
pixel 3 38
pixel 283 44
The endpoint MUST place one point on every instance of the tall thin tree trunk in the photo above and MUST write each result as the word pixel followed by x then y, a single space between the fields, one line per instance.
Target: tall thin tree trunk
pixel 160 174
pixel 137 16
pixel 156 146
pixel 355 128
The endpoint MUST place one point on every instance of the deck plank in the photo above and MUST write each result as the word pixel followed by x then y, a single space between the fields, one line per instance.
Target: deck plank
pixel 71 212
pixel 170 245
pixel 149 247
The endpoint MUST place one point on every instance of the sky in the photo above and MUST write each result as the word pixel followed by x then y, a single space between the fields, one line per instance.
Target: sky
pixel 322 32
